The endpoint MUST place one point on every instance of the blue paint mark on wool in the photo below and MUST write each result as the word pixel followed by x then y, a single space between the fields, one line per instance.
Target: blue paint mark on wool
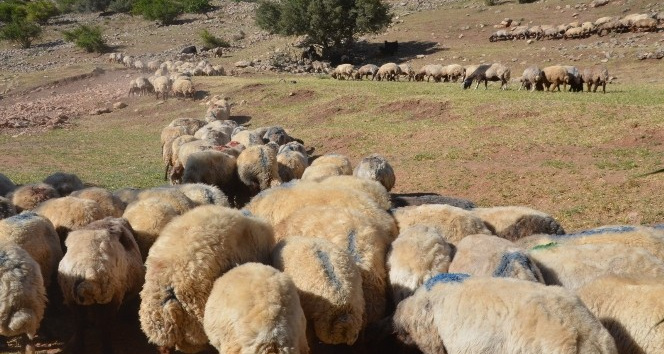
pixel 22 217
pixel 208 196
pixel 246 212
pixel 658 227
pixel 328 268
pixel 352 247
pixel 445 278
pixel 263 157
pixel 508 261
pixel 601 230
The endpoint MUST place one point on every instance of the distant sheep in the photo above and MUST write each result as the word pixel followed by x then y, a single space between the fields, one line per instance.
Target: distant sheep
pixel 486 73
pixel 377 168
pixel 367 71
pixel 515 222
pixel 554 76
pixel 407 70
pixel 329 286
pixel 532 79
pixel 184 88
pixel 254 308
pixel 453 223
pixel 183 264
pixel 29 196
pixel 218 109
pixel 162 86
pixel 388 72
pixel 596 76
pixel 574 77
pixel 343 71
pixel 454 72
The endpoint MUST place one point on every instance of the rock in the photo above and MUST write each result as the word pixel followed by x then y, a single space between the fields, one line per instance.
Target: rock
pixel 530 41
pixel 242 64
pixel 420 56
pixel 119 105
pixel 460 36
pixel 98 111
pixel 598 3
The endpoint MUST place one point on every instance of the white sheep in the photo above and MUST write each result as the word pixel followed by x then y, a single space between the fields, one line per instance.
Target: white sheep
pixel 452 222
pixel 515 222
pixel 192 251
pixel 147 218
pixel 162 85
pixel 373 189
pixel 110 204
pixel 329 285
pixel 257 168
pixel 291 165
pixel 29 196
pixel 328 165
pixel 69 213
pixel 202 194
pixel 343 71
pixel 254 308
pixel 247 138
pixel 183 87
pixel 377 168
pixel 388 72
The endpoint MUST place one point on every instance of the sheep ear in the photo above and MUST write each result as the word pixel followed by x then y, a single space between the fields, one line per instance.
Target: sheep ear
pixel 125 234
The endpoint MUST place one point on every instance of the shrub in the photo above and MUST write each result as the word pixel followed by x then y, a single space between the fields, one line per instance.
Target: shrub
pixel 82 5
pixel 11 10
pixel 40 11
pixel 490 2
pixel 122 6
pixel 196 6
pixel 21 31
pixel 163 11
pixel 211 41
pixel 87 37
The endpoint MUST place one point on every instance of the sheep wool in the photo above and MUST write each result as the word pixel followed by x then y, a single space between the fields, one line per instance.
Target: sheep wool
pixel 376 167
pixel 27 197
pixel 127 195
pixel 291 165
pixel 328 165
pixel 460 314
pixel 22 293
pixel 257 168
pixel 69 213
pixel 7 208
pixel 373 189
pixel 419 253
pixel 489 255
pixel 515 222
pixel 147 218
pixel 212 167
pixel 254 308
pixel 191 252
pixel 37 236
pixel 110 204
pixel 64 183
pixel 329 285
pixel 172 196
pixel 201 194
pixel 452 222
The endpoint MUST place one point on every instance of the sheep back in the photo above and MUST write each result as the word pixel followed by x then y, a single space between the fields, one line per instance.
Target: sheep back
pixel 110 204
pixel 29 196
pixel 515 222
pixel 147 218
pixel 64 183
pixel 69 213
pixel 377 168
pixel 257 168
pixel 452 222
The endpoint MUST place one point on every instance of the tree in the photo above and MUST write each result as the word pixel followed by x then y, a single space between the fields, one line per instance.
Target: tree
pixel 22 31
pixel 330 23
pixel 40 11
pixel 163 11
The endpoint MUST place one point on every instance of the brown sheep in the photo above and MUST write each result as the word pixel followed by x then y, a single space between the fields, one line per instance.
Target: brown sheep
pixel 554 76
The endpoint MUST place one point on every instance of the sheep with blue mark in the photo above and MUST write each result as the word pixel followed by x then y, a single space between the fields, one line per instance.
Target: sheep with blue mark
pixel 101 270
pixel 191 252
pixel 329 285
pixel 453 223
pixel 419 253
pixel 326 166
pixel 488 255
pixel 147 218
pixel 515 222
pixel 450 310
pixel 372 188
pixel 70 213
pixel 572 266
pixel 7 208
pixel 28 197
pixel 110 204
pixel 6 185
pixel 64 183
pixel 214 168
pixel 257 168
pixel 254 308
pixel 364 239
pixel 22 294
pixel 375 167
pixel 631 309
pixel 37 236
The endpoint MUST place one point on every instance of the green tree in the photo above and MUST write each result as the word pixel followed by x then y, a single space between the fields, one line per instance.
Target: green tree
pixel 163 11
pixel 21 31
pixel 196 6
pixel 40 11
pixel 87 37
pixel 211 41
pixel 11 10
pixel 330 23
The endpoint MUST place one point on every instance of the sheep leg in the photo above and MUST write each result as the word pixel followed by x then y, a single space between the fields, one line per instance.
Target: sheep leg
pixel 604 87
pixel 486 84
pixel 3 343
pixel 27 343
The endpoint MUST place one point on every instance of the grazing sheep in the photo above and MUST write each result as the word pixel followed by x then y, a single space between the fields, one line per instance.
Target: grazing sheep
pixel 22 294
pixel 101 269
pixel 294 146
pixel 454 72
pixel 328 165
pixel 449 313
pixel 407 70
pixel 29 196
pixel 7 208
pixel 170 156
pixel 414 199
pixel 388 72
pixel 254 308
pixel 644 25
pixel 70 213
pixel 214 137
pixel 64 183
pixel 371 188
pixel 6 185
pixel 343 71
pixel 181 155
pixel 572 266
pixel 575 32
pixel 532 79
pixel 500 35
pixel 376 167
pixel 191 125
pixel 291 164
pixel 488 255
pixel 278 135
pixel 110 204
pixel 162 85
pixel 631 309
pixel 329 285
pixel 486 73
pixel 596 75
pixel 366 71
pixel 37 236
pixel 214 168
pixel 192 251
pixel 452 222
pixel 169 133
pixel 257 168
pixel 515 222
pixel 419 253
pixel 365 240
pixel 554 76
pixel 575 80
pixel 218 109
pixel 225 127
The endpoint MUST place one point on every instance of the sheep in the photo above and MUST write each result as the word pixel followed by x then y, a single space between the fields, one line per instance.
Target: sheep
pixel 291 165
pixel 407 70
pixel 184 87
pixel 192 251
pixel 500 35
pixel 101 269
pixel 419 253
pixel 218 109
pixel 29 196
pixel 110 204
pixel 257 168
pixel 64 183
pixel 37 236
pixel 214 168
pixel 279 135
pixel 179 158
pixel 532 79
pixel 576 32
pixel 388 72
pixel 377 168
pixel 139 65
pixel 328 165
pixel 225 127
pixel 320 67
pixel 631 309
pixel 414 199
pixel 454 72
pixel 191 125
pixel 574 265
pixel 452 222
pixel 70 213
pixel 142 86
pixel 596 75
pixel 644 25
pixel 365 240
pixel 520 32
pixel 6 185
pixel 343 71
pixel 371 188
pixel 212 136
pixel 486 73
pixel 147 218
pixel 329 285
pixel 162 85
pixel 295 147
pixel 247 138
pixel 127 195
pixel 588 28
pixel 367 71
pixel 611 26
pixel 168 134
pixel 7 208
pixel 515 222
pixel 22 294
pixel 493 256
pixel 254 308
pixel 446 315
pixel 202 194
pixel 554 76
pixel 575 80
pixel 170 156
pixel 153 65
pixel 173 196
pixel 127 60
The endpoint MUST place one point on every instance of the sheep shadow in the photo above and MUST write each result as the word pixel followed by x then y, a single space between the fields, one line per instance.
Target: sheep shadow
pixel 412 199
pixel 200 94
pixel 409 50
pixel 241 119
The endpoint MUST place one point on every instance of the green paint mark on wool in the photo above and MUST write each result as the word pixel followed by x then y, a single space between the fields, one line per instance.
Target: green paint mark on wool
pixel 545 246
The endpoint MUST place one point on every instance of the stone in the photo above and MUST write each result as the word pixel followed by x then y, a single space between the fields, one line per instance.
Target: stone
pixel 119 105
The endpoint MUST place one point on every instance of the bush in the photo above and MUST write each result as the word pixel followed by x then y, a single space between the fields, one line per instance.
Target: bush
pixel 40 11
pixel 490 2
pixel 210 41
pixel 21 31
pixel 123 6
pixel 12 10
pixel 196 6
pixel 82 5
pixel 164 11
pixel 87 37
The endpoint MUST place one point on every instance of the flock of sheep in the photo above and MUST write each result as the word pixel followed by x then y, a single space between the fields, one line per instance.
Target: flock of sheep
pixel 533 78
pixel 257 247
pixel 602 26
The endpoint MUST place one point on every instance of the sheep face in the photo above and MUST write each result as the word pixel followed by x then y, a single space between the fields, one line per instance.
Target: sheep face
pixel 467 83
